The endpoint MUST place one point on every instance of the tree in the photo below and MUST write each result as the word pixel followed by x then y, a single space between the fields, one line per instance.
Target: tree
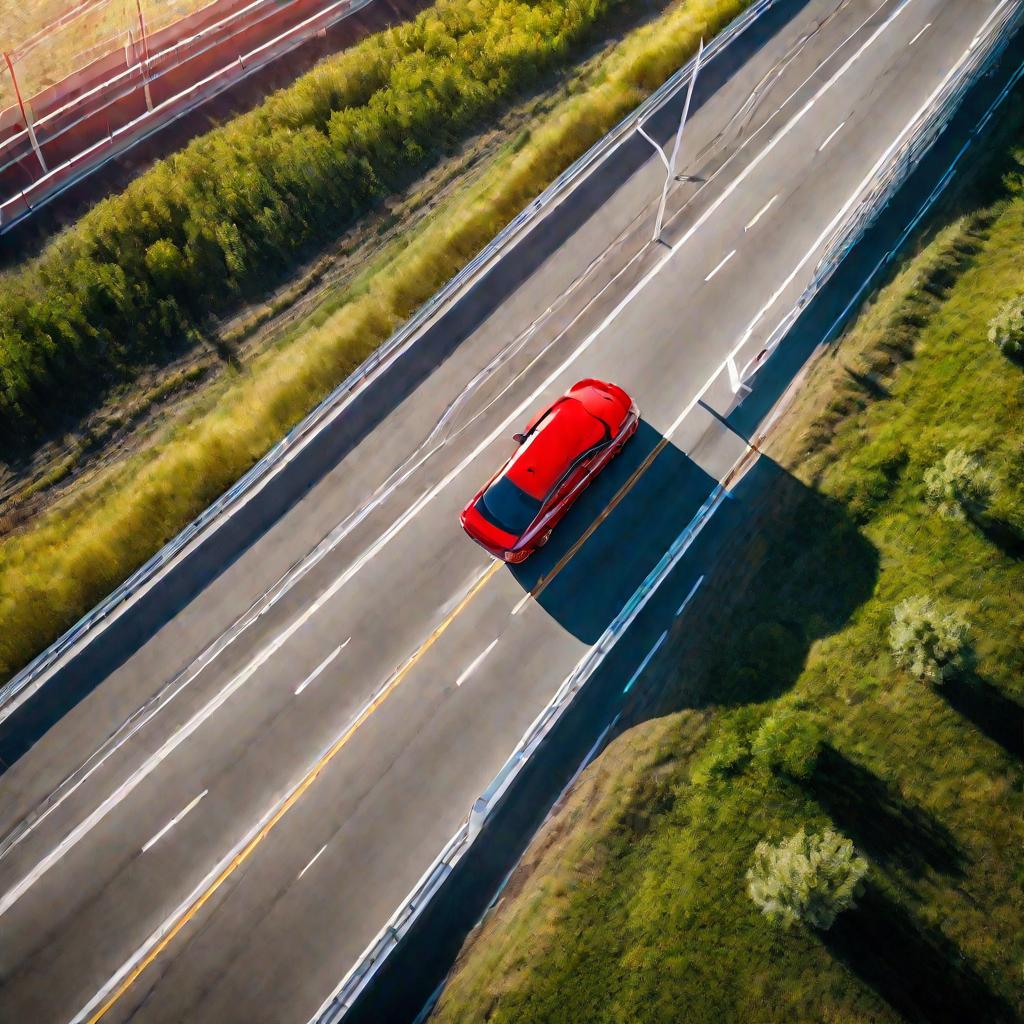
pixel 931 644
pixel 1006 328
pixel 810 878
pixel 959 486
pixel 789 741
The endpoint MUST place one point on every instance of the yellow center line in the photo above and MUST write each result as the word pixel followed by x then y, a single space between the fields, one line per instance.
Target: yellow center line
pixel 293 797
pixel 543 582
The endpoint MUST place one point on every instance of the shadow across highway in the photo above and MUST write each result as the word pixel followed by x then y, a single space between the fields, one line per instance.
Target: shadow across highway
pixel 880 942
pixel 615 534
pixel 151 610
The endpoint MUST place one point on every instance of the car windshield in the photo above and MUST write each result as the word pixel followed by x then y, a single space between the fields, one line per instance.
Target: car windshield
pixel 508 507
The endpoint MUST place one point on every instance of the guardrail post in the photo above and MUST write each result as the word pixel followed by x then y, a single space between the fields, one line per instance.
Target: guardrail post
pixel 477 816
pixel 26 116
pixel 144 63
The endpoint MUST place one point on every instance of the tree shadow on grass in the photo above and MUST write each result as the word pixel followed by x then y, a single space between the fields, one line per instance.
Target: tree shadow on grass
pixel 918 972
pixel 879 821
pixel 1002 534
pixel 998 717
pixel 795 573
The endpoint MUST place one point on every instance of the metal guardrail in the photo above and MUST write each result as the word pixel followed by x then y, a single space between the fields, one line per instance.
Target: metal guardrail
pixel 933 122
pixel 849 233
pixel 145 75
pixel 28 680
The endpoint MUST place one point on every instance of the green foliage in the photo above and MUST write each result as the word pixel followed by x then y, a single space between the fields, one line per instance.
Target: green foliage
pixel 1006 328
pixel 789 742
pixel 144 270
pixel 656 924
pixel 959 486
pixel 810 878
pixel 725 757
pixel 933 645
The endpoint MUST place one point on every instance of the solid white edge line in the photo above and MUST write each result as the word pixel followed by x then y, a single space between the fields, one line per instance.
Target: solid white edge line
pixel 719 267
pixel 760 213
pixel 327 422
pixel 831 136
pixel 75 836
pixel 475 663
pixel 341 985
pixel 323 664
pixel 174 821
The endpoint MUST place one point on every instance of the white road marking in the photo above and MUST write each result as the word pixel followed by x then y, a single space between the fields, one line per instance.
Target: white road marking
pixel 719 267
pixel 312 862
pixel 760 213
pixel 174 821
pixel 402 474
pixel 323 664
pixel 832 135
pixel 647 660
pixel 689 596
pixel 475 663
pixel 84 827
pixel 521 603
pixel 919 34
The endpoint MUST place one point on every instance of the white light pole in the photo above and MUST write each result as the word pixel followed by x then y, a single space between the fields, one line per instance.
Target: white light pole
pixel 670 161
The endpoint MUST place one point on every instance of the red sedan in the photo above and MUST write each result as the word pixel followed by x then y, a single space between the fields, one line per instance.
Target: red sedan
pixel 561 450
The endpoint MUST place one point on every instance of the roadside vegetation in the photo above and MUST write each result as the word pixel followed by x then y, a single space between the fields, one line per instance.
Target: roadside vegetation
pixel 58 565
pixel 141 273
pixel 819 812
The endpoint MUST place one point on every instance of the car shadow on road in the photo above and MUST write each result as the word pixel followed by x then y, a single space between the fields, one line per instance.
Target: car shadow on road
pixel 615 534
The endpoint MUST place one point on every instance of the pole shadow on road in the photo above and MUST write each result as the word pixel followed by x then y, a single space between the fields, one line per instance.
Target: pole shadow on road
pixel 834 579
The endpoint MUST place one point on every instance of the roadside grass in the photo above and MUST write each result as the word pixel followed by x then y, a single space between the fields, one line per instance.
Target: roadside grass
pixel 58 566
pixel 653 922
pixel 143 275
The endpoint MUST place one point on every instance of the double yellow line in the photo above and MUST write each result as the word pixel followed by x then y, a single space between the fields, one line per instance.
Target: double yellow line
pixel 392 684
pixel 246 852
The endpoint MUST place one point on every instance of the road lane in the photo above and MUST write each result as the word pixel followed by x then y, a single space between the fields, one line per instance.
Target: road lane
pixel 393 795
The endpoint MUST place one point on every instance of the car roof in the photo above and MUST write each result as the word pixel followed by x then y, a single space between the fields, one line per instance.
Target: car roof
pixel 565 432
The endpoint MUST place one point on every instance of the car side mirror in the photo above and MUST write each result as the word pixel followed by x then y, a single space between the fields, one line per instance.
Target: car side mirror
pixel 519 438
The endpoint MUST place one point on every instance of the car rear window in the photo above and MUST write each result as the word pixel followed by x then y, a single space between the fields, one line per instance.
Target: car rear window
pixel 508 507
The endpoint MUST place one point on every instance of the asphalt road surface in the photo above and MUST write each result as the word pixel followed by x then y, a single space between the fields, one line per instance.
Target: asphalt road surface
pixel 216 836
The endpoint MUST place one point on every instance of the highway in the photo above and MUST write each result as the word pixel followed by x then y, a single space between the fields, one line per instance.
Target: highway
pixel 215 835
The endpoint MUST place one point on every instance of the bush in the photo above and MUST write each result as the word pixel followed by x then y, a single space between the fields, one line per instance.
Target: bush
pixel 1006 328
pixel 789 742
pixel 932 645
pixel 959 486
pixel 810 878
pixel 726 756
pixel 212 225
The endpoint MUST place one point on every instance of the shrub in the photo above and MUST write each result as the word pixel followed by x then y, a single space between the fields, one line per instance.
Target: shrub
pixel 1006 328
pixel 726 757
pixel 810 878
pixel 959 486
pixel 789 742
pixel 932 645
pixel 199 232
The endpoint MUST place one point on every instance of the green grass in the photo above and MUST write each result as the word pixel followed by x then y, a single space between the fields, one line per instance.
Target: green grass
pixel 62 563
pixel 640 913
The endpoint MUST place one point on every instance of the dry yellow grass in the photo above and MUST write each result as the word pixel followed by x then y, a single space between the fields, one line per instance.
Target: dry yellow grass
pixel 61 565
